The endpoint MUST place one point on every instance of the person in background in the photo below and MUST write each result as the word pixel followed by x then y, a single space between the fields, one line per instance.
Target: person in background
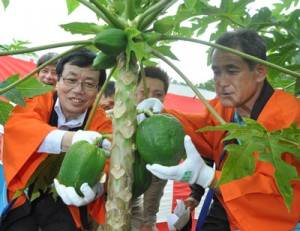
pixel 107 99
pixel 242 92
pixel 48 74
pixel 48 125
pixel 157 82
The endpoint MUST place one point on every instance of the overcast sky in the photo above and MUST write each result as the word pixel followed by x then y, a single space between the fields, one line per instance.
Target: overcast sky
pixel 38 22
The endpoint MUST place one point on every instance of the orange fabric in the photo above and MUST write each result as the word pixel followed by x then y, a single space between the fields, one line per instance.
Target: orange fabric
pixel 253 202
pixel 25 129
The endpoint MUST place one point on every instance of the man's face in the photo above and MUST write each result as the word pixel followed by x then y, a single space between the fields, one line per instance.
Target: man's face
pixel 236 86
pixel 155 89
pixel 48 75
pixel 107 102
pixel 75 100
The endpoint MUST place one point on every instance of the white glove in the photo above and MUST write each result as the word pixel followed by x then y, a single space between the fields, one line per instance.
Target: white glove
pixel 152 104
pixel 70 196
pixel 192 170
pixel 91 136
pixel 105 145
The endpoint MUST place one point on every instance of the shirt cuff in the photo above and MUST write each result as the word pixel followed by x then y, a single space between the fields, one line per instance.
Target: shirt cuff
pixel 52 142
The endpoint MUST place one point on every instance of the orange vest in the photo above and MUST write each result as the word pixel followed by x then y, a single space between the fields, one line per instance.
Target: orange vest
pixel 25 129
pixel 253 202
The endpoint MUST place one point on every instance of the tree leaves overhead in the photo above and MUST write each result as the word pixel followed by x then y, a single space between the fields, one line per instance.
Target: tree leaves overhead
pixel 271 146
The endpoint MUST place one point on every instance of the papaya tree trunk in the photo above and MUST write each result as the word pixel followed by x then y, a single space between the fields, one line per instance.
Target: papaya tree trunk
pixel 118 205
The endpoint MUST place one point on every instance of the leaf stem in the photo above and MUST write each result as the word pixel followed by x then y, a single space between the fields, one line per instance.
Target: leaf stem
pixel 130 9
pixel 14 84
pixel 239 53
pixel 152 12
pixel 96 11
pixel 200 96
pixel 113 20
pixel 45 47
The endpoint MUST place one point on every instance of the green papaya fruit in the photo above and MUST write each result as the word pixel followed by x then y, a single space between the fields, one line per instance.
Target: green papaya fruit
pixel 142 177
pixel 104 61
pixel 111 41
pixel 83 162
pixel 160 140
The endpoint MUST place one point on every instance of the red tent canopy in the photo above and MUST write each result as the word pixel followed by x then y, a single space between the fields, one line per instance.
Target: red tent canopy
pixel 10 66
pixel 183 103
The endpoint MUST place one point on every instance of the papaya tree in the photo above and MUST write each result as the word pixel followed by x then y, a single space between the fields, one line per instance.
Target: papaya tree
pixel 134 33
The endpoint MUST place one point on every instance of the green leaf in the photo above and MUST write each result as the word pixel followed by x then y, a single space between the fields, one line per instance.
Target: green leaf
pixel 166 50
pixel 6 108
pixel 83 28
pixel 190 4
pixel 72 5
pixel 43 176
pixel 271 146
pixel 5 3
pixel 13 95
pixel 32 87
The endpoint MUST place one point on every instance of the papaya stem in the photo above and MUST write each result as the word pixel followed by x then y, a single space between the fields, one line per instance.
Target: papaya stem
pixel 154 11
pixel 99 140
pixel 16 83
pixel 145 111
pixel 236 52
pixel 96 11
pixel 200 96
pixel 112 19
pixel 130 9
pixel 144 80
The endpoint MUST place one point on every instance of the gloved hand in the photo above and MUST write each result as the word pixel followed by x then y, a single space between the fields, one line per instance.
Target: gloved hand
pixel 192 170
pixel 152 104
pixel 70 196
pixel 105 145
pixel 91 136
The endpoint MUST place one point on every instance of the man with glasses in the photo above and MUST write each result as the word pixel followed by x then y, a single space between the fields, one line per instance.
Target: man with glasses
pixel 48 125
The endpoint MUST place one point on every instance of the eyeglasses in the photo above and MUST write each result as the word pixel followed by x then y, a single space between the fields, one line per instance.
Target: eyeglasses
pixel 74 83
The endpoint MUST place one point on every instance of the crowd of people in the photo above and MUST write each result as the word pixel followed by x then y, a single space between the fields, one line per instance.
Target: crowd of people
pixel 52 122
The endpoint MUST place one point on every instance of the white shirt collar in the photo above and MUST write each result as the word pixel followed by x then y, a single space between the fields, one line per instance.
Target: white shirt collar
pixel 62 123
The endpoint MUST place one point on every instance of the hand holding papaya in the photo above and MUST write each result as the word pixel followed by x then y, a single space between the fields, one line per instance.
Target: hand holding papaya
pixel 71 197
pixel 192 170
pixel 152 104
pixel 91 136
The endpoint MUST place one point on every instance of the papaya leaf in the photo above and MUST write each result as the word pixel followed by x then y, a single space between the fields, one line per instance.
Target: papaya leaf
pixel 166 50
pixel 271 146
pixel 83 28
pixel 6 108
pixel 32 87
pixel 284 172
pixel 43 176
pixel 5 3
pixel 72 5
pixel 13 95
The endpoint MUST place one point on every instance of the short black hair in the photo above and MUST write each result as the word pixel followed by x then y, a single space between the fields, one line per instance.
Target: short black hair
pixel 46 57
pixel 247 41
pixel 110 89
pixel 156 73
pixel 81 57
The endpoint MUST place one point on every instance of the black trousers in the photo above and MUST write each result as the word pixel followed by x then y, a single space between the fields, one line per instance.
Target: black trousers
pixel 216 219
pixel 42 214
